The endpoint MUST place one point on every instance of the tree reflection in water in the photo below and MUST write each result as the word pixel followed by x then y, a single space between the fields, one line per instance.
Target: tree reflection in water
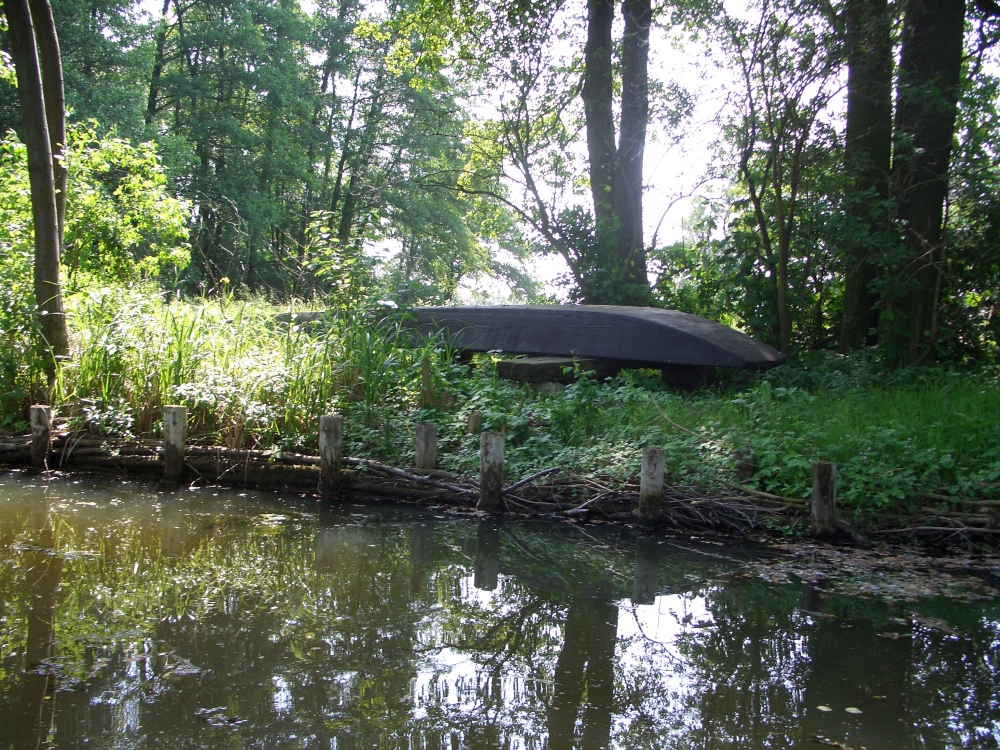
pixel 239 621
pixel 42 570
pixel 584 674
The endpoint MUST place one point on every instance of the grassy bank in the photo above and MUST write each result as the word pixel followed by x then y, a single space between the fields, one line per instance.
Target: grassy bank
pixel 898 437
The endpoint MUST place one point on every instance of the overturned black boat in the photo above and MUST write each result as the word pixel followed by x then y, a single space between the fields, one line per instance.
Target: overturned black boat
pixel 669 340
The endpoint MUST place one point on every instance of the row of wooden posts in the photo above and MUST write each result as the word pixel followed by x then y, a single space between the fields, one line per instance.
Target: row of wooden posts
pixel 491 450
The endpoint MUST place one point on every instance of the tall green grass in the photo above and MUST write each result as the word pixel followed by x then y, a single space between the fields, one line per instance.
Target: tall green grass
pixel 249 381
pixel 246 379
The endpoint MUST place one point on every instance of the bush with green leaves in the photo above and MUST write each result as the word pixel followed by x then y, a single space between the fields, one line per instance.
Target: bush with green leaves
pixel 121 226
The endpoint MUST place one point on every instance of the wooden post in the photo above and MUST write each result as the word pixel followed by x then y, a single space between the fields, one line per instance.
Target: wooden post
pixel 651 484
pixel 41 435
pixel 824 499
pixel 474 422
pixel 491 472
pixel 331 440
pixel 174 431
pixel 425 382
pixel 426 457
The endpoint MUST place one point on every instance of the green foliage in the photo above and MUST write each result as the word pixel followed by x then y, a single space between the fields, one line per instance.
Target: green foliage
pixel 121 225
pixel 970 303
pixel 249 381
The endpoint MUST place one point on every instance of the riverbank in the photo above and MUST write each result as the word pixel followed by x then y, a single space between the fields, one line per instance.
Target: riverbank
pixel 549 494
pixel 915 447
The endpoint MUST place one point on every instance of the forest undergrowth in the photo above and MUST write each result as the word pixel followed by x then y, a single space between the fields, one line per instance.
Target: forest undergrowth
pixel 904 439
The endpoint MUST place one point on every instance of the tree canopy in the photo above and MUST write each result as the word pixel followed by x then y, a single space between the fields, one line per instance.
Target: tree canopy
pixel 427 152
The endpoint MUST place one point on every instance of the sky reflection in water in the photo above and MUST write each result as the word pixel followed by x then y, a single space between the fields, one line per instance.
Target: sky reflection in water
pixel 218 618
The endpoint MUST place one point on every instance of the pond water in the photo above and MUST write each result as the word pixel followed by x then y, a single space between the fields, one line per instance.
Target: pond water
pixel 215 618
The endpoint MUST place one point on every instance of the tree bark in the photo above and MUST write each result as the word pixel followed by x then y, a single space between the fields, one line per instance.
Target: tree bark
pixel 927 95
pixel 159 60
pixel 48 288
pixel 55 100
pixel 616 171
pixel 632 143
pixel 867 159
pixel 586 661
pixel 33 711
pixel 598 95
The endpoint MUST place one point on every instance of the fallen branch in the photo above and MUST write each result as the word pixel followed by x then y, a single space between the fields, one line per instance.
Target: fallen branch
pixel 950 529
pixel 406 475
pixel 587 505
pixel 845 528
pixel 829 742
pixel 790 501
pixel 532 478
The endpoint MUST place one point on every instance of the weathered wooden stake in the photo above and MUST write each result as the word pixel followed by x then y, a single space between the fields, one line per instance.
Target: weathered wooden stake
pixel 174 431
pixel 474 422
pixel 426 457
pixel 651 484
pixel 425 382
pixel 41 435
pixel 491 472
pixel 824 499
pixel 331 440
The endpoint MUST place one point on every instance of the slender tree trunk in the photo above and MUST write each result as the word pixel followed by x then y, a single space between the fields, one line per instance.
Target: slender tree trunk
pixel 867 158
pixel 586 661
pixel 363 155
pixel 928 88
pixel 48 288
pixel 616 170
pixel 632 145
pixel 784 318
pixel 598 95
pixel 33 712
pixel 55 100
pixel 347 214
pixel 158 63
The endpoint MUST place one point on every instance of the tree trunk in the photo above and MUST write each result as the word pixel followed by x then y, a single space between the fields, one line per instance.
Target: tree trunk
pixel 362 157
pixel 867 158
pixel 928 89
pixel 158 63
pixel 616 171
pixel 598 95
pixel 631 147
pixel 55 100
pixel 33 711
pixel 48 288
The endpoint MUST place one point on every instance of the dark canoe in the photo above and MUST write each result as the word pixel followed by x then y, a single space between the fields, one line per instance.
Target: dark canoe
pixel 636 336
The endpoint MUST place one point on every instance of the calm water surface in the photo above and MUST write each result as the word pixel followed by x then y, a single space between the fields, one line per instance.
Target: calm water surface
pixel 213 618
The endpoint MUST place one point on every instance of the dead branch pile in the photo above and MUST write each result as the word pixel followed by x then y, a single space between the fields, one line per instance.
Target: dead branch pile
pixel 548 493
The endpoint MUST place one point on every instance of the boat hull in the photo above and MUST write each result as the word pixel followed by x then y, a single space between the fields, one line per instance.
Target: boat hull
pixel 632 336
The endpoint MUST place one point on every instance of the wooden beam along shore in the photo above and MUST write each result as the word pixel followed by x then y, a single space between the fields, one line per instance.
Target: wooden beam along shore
pixel 333 475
